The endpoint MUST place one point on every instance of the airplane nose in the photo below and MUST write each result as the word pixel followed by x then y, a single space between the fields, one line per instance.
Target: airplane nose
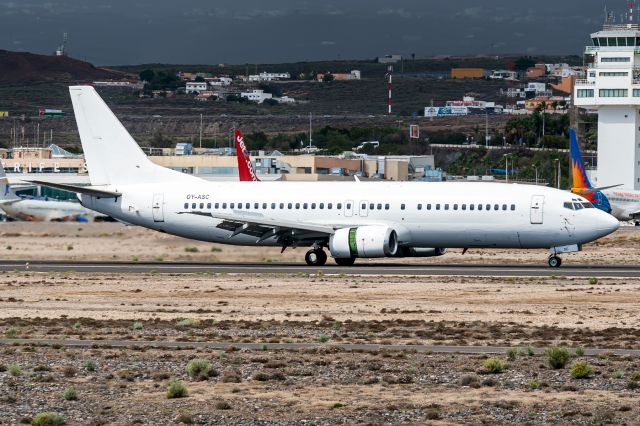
pixel 607 224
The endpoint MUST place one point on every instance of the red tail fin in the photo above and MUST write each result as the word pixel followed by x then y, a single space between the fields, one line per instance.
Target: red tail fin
pixel 245 168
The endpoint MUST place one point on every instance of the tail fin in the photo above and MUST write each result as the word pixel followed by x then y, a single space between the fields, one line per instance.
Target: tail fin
pixel 581 183
pixel 6 193
pixel 113 157
pixel 245 167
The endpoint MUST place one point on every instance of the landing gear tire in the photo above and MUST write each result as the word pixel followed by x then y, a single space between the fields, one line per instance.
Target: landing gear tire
pixel 315 257
pixel 555 262
pixel 346 261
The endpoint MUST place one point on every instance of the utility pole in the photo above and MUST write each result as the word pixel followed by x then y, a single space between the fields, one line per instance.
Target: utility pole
pixel 486 129
pixel 200 130
pixel 310 131
pixel 390 86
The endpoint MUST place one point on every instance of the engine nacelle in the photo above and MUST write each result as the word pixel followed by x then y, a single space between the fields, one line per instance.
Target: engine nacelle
pixel 421 252
pixel 364 241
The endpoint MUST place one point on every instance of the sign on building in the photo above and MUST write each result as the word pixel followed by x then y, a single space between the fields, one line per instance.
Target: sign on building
pixel 445 111
pixel 4 113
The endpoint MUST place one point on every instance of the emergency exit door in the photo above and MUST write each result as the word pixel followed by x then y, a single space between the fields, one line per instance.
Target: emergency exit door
pixel 537 209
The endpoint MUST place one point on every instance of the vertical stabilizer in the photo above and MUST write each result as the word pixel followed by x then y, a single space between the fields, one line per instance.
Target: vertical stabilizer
pixel 6 193
pixel 113 157
pixel 245 167
pixel 581 183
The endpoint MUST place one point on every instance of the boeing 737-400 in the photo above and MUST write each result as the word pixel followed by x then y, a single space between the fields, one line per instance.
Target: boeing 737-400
pixel 350 219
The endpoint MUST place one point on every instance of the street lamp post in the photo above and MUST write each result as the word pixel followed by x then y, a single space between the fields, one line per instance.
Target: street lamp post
pixel 536 169
pixel 506 160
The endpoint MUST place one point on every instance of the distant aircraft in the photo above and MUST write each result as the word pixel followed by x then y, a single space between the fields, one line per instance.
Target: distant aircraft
pixel 37 210
pixel 351 219
pixel 623 204
pixel 245 167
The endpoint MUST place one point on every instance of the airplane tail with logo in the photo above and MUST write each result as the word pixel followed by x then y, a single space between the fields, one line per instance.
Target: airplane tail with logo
pixel 113 157
pixel 581 184
pixel 245 167
pixel 6 193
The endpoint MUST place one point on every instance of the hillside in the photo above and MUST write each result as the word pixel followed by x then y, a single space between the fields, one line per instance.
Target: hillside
pixel 23 67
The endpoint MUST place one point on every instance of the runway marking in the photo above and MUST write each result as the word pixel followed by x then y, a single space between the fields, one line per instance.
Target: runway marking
pixel 367 347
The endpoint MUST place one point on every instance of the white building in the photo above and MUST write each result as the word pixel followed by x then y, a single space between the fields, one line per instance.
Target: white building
pixel 196 86
pixel 219 81
pixel 503 75
pixel 612 87
pixel 270 76
pixel 256 95
pixel 285 100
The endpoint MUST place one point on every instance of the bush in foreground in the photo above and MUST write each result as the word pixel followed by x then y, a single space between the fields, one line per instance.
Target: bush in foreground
pixel 494 365
pixel 48 419
pixel 581 370
pixel 70 394
pixel 199 368
pixel 557 357
pixel 176 389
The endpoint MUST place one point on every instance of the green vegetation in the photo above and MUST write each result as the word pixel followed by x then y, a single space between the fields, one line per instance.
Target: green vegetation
pixel 324 338
pixel 70 394
pixel 11 333
pixel 493 365
pixel 557 357
pixel 199 368
pixel 337 325
pixel 581 370
pixel 593 281
pixel 15 370
pixel 186 323
pixel 191 249
pixel 176 389
pixel 533 384
pixel 512 353
pixel 137 325
pixel 580 351
pixel 48 419
pixel 90 365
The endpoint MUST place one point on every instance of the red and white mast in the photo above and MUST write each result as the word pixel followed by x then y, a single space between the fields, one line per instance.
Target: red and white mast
pixel 631 11
pixel 389 98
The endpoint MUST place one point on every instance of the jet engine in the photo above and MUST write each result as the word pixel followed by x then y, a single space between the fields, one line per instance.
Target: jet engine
pixel 421 252
pixel 364 241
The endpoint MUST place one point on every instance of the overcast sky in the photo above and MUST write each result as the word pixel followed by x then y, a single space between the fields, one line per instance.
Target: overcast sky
pixel 114 32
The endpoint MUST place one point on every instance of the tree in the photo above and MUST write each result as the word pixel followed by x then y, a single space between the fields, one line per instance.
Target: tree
pixel 524 63
pixel 554 105
pixel 270 102
pixel 147 75
pixel 199 79
pixel 328 77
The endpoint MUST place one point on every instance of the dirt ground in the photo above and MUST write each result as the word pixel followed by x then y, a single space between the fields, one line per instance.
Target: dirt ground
pixel 321 386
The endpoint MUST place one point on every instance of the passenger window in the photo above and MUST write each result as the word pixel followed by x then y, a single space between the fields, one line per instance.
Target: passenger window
pixel 455 207
pixel 313 206
pixel 386 206
pixel 513 207
pixel 437 206
pixel 504 207
pixel 330 206
pixel 186 205
pixel 419 206
pixel 297 206
pixel 464 207
pixel 339 206
pixel 217 206
pixel 289 206
pixel 209 206
pixel 428 206
pixel 401 206
pixel 256 206
pixel 201 206
pixel 488 207
pixel 239 206
pixel 348 206
pixel 305 205
pixel 364 206
pixel 247 206
pixel 379 206
pixel 496 207
pixel 472 207
pixel 264 206
pixel 446 206
pixel 224 205
pixel 273 206
pixel 372 206
pixel 231 205
pixel 479 206
pixel 321 205
pixel 193 206
pixel 281 206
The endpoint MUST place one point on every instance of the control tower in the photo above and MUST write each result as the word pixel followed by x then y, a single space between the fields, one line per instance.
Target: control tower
pixel 612 87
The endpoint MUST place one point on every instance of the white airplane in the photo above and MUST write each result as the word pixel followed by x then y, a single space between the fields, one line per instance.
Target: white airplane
pixel 29 209
pixel 351 219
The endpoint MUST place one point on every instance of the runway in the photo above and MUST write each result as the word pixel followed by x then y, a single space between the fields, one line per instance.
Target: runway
pixel 361 347
pixel 599 271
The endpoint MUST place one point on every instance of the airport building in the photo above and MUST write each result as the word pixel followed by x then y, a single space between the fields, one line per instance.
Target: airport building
pixel 612 87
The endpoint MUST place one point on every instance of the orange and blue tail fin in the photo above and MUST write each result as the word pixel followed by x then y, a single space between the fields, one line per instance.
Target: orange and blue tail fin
pixel 581 183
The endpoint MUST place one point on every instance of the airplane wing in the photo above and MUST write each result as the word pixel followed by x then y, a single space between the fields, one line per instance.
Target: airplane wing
pixel 9 202
pixel 96 192
pixel 291 232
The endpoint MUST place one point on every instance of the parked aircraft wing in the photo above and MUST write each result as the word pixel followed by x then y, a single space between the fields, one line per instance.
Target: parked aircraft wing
pixel 89 190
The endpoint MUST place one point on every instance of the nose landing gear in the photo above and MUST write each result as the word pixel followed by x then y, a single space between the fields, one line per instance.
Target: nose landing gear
pixel 315 257
pixel 555 261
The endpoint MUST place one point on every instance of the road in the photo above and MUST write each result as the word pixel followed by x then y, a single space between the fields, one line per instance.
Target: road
pixel 599 271
pixel 366 347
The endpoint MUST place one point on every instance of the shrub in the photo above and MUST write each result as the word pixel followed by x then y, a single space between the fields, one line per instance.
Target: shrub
pixel 137 325
pixel 533 384
pixel 512 353
pixel 580 351
pixel 593 281
pixel 493 365
pixel 581 370
pixel 70 394
pixel 176 389
pixel 15 370
pixel 324 338
pixel 337 325
pixel 199 368
pixel 191 249
pixel 186 419
pixel 635 376
pixel 556 357
pixel 470 380
pixel 617 375
pixel 48 419
pixel 90 365
pixel 530 351
pixel 77 325
pixel 11 333
pixel 69 371
pixel 187 322
pixel 223 405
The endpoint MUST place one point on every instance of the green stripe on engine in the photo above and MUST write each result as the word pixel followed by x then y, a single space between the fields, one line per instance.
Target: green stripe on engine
pixel 353 244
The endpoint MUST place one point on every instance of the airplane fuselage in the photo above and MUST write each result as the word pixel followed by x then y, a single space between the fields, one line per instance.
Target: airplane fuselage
pixel 450 215
pixel 43 210
pixel 625 204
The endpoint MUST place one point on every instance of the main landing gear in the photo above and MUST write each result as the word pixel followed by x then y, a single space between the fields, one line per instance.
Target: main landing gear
pixel 315 257
pixel 555 261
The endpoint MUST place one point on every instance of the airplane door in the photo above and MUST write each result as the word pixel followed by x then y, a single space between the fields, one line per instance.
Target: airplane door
pixel 158 207
pixel 364 212
pixel 348 208
pixel 537 207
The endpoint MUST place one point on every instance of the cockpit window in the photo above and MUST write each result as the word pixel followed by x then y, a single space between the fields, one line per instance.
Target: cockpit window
pixel 577 206
pixel 588 205
pixel 568 206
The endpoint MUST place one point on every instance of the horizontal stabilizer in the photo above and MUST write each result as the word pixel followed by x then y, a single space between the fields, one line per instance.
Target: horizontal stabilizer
pixel 96 192
pixel 587 191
